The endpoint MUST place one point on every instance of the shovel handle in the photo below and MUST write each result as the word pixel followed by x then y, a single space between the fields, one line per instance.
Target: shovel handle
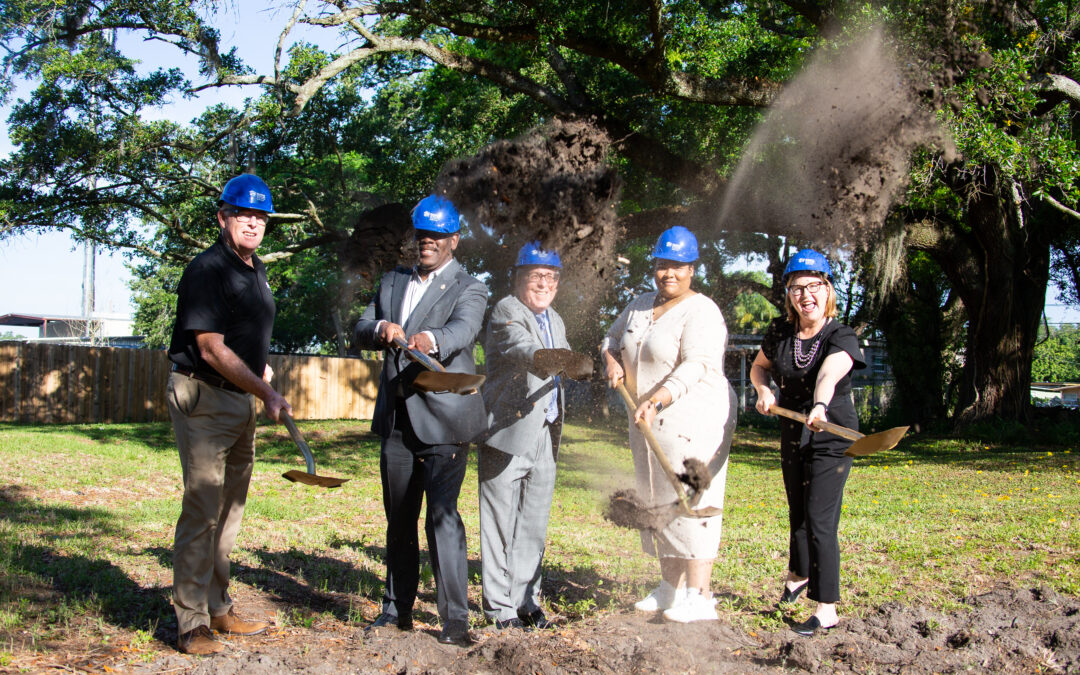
pixel 840 431
pixel 654 445
pixel 423 359
pixel 299 440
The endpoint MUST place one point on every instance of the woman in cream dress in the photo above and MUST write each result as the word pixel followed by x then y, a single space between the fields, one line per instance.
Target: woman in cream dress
pixel 669 346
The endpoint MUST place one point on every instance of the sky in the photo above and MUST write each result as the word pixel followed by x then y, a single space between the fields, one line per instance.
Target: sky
pixel 43 273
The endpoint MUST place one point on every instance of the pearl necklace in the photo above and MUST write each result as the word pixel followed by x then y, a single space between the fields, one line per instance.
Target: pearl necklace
pixel 803 360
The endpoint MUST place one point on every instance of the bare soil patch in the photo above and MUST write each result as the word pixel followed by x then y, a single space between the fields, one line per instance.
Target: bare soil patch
pixel 1005 630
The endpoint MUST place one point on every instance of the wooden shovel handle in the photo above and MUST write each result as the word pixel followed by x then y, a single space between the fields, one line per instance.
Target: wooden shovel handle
pixel 309 459
pixel 654 445
pixel 840 431
pixel 423 359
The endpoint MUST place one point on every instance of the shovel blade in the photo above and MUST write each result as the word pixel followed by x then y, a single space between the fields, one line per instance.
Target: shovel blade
pixel 457 383
pixel 570 363
pixel 882 440
pixel 298 476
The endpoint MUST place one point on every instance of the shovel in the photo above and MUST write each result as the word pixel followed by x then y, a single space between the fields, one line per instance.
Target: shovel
pixel 627 509
pixel 308 478
pixel 863 445
pixel 570 363
pixel 437 378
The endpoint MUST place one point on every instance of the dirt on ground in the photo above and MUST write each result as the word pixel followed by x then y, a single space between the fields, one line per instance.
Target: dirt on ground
pixel 1008 629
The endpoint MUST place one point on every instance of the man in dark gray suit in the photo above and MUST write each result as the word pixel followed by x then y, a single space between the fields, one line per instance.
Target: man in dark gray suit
pixel 438 309
pixel 517 456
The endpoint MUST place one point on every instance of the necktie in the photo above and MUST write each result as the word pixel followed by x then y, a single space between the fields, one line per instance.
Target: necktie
pixel 552 413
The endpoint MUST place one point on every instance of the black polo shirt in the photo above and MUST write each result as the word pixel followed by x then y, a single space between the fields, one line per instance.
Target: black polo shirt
pixel 219 293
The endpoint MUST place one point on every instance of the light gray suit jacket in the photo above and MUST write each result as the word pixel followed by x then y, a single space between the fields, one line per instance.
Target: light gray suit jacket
pixel 516 398
pixel 452 308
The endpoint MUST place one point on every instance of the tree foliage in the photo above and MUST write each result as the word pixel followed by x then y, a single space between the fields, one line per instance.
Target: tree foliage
pixel 1057 356
pixel 678 85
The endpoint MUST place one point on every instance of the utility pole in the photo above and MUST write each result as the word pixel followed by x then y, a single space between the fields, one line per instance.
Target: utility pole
pixel 89 258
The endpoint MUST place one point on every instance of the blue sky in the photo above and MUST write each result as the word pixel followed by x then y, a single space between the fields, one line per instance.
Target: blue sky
pixel 42 273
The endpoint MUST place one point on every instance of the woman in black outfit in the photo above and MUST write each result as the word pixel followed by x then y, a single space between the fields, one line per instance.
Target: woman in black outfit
pixel 810 355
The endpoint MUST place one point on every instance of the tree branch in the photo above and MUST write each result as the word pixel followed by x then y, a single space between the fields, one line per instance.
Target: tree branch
pixel 1057 205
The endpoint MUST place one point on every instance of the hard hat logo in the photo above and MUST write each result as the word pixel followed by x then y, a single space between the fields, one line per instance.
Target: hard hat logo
pixel 255 196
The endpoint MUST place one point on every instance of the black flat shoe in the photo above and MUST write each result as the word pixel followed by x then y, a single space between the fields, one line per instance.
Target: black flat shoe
pixel 386 619
pixel 810 626
pixel 792 596
pixel 456 633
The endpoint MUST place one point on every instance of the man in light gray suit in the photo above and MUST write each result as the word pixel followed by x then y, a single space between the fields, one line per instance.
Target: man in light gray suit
pixel 438 309
pixel 517 455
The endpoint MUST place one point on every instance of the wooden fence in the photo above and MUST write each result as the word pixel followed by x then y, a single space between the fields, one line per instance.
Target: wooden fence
pixel 58 383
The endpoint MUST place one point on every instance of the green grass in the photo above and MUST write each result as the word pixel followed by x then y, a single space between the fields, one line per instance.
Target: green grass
pixel 87 515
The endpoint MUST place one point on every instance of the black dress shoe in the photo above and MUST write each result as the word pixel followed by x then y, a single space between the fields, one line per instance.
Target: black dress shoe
pixel 403 622
pixel 456 633
pixel 509 623
pixel 809 627
pixel 792 596
pixel 538 620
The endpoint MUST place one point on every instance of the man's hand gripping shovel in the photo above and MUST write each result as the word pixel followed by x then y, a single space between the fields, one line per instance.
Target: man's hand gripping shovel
pixel 437 378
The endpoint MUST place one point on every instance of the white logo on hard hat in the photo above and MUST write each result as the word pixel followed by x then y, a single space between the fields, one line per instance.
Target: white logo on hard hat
pixel 256 196
pixel 676 246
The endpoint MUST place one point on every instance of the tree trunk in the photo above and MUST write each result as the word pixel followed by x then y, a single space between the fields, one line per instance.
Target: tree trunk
pixel 999 264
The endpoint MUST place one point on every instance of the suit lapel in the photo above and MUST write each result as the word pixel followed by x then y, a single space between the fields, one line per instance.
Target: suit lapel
pixel 440 285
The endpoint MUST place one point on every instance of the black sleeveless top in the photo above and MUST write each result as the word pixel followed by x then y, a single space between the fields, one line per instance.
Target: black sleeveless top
pixel 797 380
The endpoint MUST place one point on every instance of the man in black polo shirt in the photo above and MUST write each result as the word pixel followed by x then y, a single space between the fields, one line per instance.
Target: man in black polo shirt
pixel 224 313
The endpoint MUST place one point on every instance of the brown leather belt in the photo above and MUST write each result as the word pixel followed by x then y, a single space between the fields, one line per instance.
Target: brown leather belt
pixel 213 380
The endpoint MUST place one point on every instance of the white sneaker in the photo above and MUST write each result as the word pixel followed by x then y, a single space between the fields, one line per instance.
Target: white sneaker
pixel 663 596
pixel 694 607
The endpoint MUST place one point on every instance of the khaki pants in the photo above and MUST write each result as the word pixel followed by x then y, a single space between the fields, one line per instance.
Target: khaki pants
pixel 215 434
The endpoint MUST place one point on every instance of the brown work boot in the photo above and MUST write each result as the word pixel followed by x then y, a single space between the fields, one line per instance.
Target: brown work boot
pixel 234 625
pixel 199 642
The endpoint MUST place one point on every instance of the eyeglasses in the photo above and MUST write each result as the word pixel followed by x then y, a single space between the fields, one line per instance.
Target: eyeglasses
pixel 812 287
pixel 248 216
pixel 537 277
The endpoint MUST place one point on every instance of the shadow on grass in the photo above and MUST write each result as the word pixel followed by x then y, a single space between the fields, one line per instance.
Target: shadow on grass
pixel 70 585
pixel 156 436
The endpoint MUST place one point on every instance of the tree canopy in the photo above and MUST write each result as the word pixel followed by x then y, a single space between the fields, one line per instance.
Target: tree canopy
pixel 678 87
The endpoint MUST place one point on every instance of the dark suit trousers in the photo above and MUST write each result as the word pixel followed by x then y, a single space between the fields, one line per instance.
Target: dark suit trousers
pixel 411 469
pixel 814 481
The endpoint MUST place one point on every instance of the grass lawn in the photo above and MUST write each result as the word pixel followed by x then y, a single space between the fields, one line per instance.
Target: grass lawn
pixel 87 515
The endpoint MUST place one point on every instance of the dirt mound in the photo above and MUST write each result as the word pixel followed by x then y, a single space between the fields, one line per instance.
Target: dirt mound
pixel 1008 629
pixel 552 184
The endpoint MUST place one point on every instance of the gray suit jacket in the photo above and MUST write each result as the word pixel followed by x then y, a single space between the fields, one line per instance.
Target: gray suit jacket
pixel 452 308
pixel 516 398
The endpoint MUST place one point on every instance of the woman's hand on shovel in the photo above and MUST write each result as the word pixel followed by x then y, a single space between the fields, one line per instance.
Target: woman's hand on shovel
pixel 613 370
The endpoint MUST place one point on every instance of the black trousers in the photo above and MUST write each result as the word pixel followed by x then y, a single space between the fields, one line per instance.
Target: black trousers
pixel 814 481
pixel 409 470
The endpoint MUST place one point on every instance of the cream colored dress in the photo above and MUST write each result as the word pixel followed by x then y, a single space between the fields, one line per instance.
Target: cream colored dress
pixel 682 351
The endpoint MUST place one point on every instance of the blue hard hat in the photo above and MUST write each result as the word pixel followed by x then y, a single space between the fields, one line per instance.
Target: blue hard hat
pixel 248 191
pixel 436 214
pixel 676 243
pixel 533 254
pixel 808 260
